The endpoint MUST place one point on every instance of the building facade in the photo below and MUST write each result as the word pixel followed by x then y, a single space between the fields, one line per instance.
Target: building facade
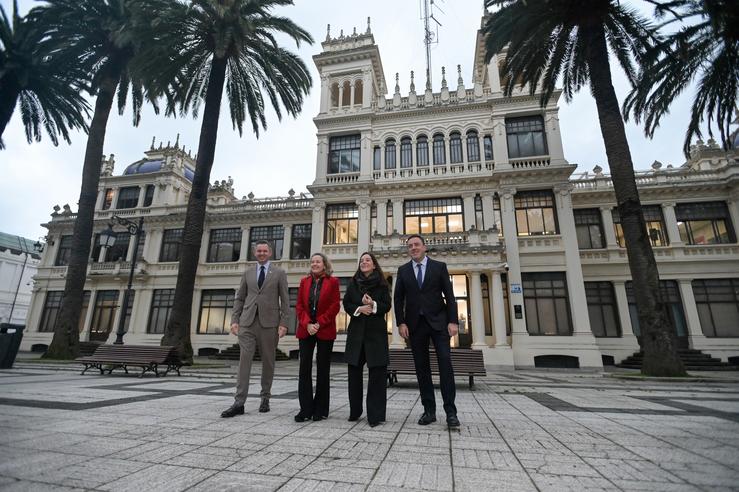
pixel 535 252
pixel 19 258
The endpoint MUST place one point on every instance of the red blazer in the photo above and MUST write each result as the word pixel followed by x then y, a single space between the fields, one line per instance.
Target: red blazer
pixel 328 308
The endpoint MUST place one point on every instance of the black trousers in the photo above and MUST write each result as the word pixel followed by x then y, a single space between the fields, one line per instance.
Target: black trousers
pixel 309 404
pixel 419 337
pixel 376 390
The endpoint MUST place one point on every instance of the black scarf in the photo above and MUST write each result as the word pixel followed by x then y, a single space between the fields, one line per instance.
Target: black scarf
pixel 368 283
pixel 313 297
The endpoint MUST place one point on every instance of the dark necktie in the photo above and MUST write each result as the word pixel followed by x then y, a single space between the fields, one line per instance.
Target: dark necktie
pixel 260 280
pixel 419 275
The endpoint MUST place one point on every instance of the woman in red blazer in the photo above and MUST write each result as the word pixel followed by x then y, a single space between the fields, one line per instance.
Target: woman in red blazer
pixel 316 310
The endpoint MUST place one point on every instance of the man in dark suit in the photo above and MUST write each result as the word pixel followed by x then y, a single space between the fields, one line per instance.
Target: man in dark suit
pixel 425 309
pixel 259 319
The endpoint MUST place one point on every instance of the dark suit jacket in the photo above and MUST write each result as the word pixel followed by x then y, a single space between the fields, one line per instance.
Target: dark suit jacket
pixel 368 330
pixel 435 299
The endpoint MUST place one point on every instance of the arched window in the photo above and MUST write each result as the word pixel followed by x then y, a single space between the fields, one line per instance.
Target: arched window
pixel 473 146
pixel 439 150
pixel 358 92
pixel 406 152
pixel 455 147
pixel 422 151
pixel 346 96
pixel 390 153
pixel 335 95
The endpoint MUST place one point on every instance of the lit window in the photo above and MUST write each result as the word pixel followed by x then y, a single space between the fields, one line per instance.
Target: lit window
pixel 341 224
pixel 535 213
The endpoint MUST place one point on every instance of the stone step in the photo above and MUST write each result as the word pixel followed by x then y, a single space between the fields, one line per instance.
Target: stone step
pixel 693 360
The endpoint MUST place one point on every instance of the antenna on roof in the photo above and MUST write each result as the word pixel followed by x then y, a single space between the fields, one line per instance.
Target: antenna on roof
pixel 430 32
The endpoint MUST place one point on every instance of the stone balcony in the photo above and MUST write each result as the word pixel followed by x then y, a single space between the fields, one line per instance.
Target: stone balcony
pixel 472 240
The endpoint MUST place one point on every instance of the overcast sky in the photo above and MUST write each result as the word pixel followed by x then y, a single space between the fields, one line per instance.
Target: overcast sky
pixel 35 177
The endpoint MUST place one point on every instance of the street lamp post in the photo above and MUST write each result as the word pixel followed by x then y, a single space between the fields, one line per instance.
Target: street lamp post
pixel 107 239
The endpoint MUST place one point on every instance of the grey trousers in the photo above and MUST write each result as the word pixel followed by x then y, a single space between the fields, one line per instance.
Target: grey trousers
pixel 251 337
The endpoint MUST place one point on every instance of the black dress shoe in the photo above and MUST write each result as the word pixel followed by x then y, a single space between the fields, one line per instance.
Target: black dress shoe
pixel 452 420
pixel 353 418
pixel 373 424
pixel 427 418
pixel 301 418
pixel 233 411
pixel 264 406
pixel 316 418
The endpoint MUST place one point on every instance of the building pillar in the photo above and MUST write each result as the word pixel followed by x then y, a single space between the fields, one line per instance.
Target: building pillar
pixel 622 303
pixel 351 94
pixel 142 196
pixel 608 228
pixel 488 216
pixel 382 217
pixel 366 88
pixel 498 314
pixel 325 94
pixel 478 317
pixel 319 217
pixel 363 233
pixel 341 96
pixel 500 144
pixel 365 156
pixel 494 75
pixel 244 249
pixel 114 198
pixel 205 242
pixel 695 332
pixel 398 217
pixel 287 240
pixel 382 158
pixel 85 333
pixel 100 198
pixel 508 216
pixel 468 208
pixel 321 159
pixel 733 205
pixel 575 281
pixel 447 153
pixel 554 137
pixel 673 233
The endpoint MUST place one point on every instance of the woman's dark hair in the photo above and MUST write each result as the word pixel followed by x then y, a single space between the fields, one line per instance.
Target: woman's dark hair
pixel 378 270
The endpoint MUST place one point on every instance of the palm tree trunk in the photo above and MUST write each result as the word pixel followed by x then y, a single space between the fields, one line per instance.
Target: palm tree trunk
pixel 8 99
pixel 65 344
pixel 657 332
pixel 177 332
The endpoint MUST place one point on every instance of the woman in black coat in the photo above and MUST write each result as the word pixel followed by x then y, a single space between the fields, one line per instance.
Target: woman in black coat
pixel 367 300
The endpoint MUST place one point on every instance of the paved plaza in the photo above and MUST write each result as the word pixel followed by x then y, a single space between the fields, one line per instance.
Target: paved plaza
pixel 532 430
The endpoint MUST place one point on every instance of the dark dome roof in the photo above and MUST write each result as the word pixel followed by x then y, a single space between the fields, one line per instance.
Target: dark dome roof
pixel 152 166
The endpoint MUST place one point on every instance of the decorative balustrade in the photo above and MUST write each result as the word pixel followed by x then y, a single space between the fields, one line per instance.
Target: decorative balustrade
pixel 440 241
pixel 340 251
pixel 342 178
pixel 539 243
pixel 479 168
pixel 530 162
pixel 587 181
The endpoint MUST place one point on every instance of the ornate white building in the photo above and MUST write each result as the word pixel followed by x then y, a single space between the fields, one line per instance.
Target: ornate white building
pixel 19 258
pixel 535 252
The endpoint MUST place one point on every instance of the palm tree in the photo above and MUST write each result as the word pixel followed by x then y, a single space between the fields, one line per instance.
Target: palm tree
pixel 549 39
pixel 30 71
pixel 227 43
pixel 103 37
pixel 706 49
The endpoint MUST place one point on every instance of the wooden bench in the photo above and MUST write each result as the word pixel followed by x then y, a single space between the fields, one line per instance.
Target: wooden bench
pixel 466 362
pixel 147 357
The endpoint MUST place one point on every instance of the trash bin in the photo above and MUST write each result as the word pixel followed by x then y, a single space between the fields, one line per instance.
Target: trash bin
pixel 10 341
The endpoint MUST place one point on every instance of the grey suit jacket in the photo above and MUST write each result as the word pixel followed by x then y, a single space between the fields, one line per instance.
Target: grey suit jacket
pixel 270 303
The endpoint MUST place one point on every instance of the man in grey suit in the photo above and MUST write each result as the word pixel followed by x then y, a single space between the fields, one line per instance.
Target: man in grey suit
pixel 259 319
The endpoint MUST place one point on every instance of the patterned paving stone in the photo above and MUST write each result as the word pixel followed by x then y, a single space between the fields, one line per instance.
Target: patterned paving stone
pixel 228 481
pixel 160 478
pixel 412 475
